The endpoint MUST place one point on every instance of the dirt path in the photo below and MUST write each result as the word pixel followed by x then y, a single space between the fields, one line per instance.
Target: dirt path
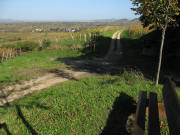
pixel 17 91
pixel 115 50
pixel 119 50
pixel 112 45
pixel 78 69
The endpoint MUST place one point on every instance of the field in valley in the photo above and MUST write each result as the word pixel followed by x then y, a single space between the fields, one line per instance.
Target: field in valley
pixel 86 105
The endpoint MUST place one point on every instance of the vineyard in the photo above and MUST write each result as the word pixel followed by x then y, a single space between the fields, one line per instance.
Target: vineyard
pixel 14 44
pixel 138 30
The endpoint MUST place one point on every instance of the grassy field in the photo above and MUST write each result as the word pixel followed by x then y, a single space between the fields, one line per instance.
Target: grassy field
pixel 33 64
pixel 89 106
pixel 37 63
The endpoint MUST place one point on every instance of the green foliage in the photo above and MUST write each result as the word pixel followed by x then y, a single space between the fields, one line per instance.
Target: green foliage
pixel 27 46
pixel 46 43
pixel 160 13
pixel 157 12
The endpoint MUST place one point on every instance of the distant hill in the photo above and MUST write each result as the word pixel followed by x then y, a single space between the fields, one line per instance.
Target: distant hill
pixel 109 21
pixel 105 20
pixel 136 20
pixel 9 21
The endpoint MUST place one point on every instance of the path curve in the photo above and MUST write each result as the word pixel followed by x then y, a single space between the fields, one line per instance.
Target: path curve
pixel 17 91
pixel 14 92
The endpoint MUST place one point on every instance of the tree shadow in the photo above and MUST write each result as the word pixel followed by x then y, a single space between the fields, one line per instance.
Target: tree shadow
pixel 126 57
pixel 3 96
pixel 133 57
pixel 92 59
pixel 98 66
pixel 7 105
pixel 4 107
pixel 63 74
pixel 5 127
pixel 28 126
pixel 123 107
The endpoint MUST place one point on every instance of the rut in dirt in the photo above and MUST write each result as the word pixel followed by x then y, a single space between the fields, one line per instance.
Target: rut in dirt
pixel 77 69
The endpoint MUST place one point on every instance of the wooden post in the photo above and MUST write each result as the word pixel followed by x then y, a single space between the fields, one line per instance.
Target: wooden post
pixel 20 51
pixel 2 57
pixel 153 124
pixel 172 106
pixel 72 36
pixel 139 125
pixel 94 47
pixel 80 37
pixel 85 38
pixel 89 35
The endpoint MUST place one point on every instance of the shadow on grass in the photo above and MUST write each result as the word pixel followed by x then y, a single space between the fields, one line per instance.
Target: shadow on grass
pixel 4 108
pixel 63 74
pixel 28 126
pixel 133 58
pixel 123 107
pixel 4 126
pixel 93 59
pixel 32 104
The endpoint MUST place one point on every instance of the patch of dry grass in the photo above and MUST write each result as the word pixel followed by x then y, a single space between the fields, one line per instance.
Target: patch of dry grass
pixel 138 29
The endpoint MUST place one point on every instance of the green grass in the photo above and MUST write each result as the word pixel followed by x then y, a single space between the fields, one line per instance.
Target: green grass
pixel 81 107
pixel 86 106
pixel 33 64
pixel 36 63
pixel 110 33
pixel 71 42
pixel 3 40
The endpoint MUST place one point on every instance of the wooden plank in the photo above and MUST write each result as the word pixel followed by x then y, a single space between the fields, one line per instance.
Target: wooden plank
pixel 139 125
pixel 153 123
pixel 172 106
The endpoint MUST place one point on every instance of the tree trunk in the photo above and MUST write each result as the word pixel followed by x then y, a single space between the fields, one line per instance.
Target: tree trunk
pixel 161 51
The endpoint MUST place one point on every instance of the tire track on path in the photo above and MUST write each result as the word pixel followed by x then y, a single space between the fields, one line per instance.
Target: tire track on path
pixel 17 91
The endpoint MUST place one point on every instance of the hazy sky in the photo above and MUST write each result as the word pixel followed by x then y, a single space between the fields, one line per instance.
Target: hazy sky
pixel 65 9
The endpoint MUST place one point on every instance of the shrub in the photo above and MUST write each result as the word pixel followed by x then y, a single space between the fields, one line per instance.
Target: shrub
pixel 27 46
pixel 45 44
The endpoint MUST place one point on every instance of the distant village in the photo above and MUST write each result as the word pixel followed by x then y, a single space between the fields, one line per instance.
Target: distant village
pixel 36 29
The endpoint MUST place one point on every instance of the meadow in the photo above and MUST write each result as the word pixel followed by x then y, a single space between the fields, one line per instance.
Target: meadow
pixel 87 106
pixel 28 58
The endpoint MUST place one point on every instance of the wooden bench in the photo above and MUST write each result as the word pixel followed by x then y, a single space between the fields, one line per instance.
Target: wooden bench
pixel 172 109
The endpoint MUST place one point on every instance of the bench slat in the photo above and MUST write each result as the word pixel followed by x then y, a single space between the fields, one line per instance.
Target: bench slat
pixel 172 106
pixel 139 126
pixel 153 124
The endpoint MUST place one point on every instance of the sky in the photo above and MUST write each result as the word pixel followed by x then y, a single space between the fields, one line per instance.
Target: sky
pixel 65 10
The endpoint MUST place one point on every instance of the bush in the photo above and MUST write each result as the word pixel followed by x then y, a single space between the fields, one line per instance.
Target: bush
pixel 45 44
pixel 27 46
